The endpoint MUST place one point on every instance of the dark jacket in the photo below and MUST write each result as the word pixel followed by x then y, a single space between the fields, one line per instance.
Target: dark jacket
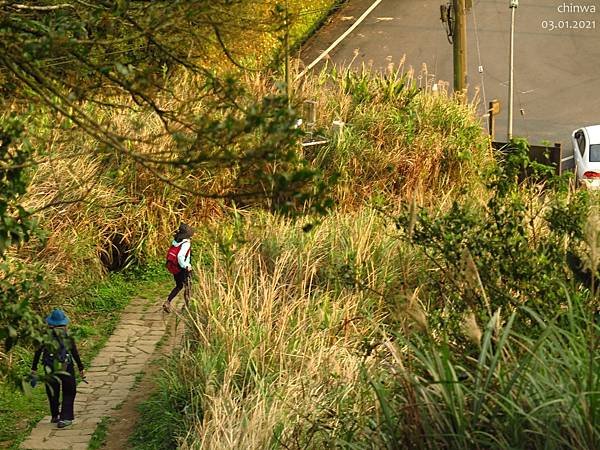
pixel 47 351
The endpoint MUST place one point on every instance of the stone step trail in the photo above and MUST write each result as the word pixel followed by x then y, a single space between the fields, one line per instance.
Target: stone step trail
pixel 110 378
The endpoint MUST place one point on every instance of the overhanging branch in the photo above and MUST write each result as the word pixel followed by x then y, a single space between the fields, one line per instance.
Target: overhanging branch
pixel 36 8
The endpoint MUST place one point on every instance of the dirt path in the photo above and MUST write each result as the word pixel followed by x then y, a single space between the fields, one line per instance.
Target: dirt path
pixel 112 378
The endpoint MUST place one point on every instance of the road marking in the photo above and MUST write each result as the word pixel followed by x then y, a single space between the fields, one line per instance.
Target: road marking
pixel 340 39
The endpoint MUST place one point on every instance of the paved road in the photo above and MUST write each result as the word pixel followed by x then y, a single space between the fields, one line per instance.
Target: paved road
pixel 557 72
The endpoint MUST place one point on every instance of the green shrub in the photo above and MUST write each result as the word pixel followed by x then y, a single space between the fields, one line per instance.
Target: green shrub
pixel 514 391
pixel 507 251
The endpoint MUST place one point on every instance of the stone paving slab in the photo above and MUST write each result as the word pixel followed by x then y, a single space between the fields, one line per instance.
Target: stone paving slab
pixel 111 377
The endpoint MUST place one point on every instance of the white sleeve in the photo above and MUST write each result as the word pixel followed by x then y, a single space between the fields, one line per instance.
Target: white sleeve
pixel 184 262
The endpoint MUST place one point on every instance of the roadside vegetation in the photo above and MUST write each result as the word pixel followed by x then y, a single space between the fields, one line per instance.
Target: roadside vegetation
pixel 357 335
pixel 453 311
pixel 401 286
pixel 401 140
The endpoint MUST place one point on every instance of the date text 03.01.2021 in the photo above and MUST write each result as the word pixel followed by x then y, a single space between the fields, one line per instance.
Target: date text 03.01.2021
pixel 552 25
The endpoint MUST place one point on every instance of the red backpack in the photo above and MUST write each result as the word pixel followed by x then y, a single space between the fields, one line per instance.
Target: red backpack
pixel 172 262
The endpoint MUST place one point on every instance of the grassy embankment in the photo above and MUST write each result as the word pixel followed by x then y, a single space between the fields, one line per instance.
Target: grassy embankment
pixel 123 220
pixel 291 348
pixel 433 309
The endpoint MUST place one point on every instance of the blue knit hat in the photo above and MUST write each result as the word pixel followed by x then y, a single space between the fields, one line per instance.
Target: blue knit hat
pixel 57 318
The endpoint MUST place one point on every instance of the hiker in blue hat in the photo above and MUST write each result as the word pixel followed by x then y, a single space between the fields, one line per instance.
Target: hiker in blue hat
pixel 59 354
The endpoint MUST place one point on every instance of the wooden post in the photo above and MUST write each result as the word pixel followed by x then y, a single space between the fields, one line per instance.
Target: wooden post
pixel 493 111
pixel 556 157
pixel 338 131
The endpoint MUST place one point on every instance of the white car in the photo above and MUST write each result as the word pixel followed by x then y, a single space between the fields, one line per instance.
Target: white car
pixel 586 151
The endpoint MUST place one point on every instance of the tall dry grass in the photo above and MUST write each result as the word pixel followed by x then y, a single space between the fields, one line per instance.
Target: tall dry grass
pixel 402 138
pixel 276 343
pixel 101 209
pixel 98 211
pixel 325 340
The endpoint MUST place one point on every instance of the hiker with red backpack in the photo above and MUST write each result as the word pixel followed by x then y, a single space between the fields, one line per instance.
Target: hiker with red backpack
pixel 179 264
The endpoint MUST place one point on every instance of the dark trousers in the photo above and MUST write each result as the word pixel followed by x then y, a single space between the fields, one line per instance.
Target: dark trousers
pixel 181 281
pixel 69 389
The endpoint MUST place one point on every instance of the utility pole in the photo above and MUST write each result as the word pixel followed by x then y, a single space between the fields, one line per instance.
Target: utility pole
pixel 453 16
pixel 513 7
pixel 459 42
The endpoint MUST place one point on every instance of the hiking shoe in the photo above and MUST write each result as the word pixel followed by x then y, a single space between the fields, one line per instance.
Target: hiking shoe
pixel 55 419
pixel 166 307
pixel 64 423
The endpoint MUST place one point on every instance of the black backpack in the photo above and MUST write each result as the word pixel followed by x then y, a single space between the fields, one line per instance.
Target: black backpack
pixel 58 356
